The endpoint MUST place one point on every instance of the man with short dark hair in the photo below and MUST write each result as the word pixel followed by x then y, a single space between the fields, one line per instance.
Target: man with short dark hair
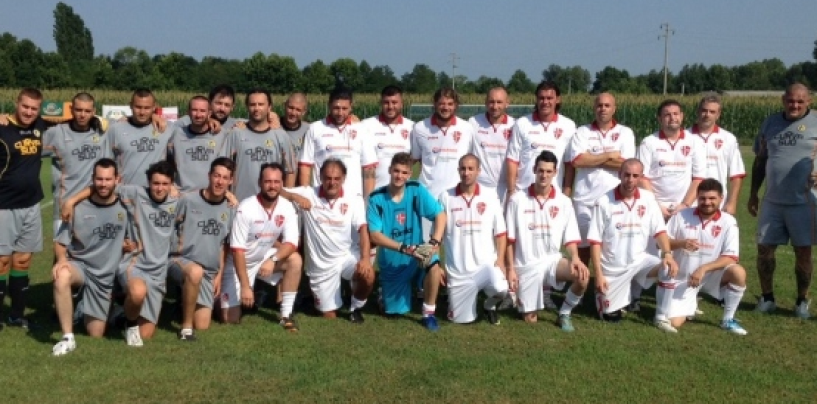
pixel 193 147
pixel 388 131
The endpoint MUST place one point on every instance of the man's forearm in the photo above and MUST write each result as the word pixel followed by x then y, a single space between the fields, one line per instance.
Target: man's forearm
pixel 240 263
pixel 439 226
pixel 758 174
pixel 304 173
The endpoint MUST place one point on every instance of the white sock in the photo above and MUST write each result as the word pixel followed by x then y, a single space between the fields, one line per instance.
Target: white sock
pixel 663 296
pixel 731 299
pixel 571 300
pixel 187 331
pixel 287 300
pixel 429 310
pixel 491 302
pixel 635 290
pixel 69 336
pixel 357 304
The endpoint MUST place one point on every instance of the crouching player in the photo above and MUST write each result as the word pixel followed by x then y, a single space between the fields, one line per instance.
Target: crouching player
pixel 540 221
pixel 705 244
pixel 395 215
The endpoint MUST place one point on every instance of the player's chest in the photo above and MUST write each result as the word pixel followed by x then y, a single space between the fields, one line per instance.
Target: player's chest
pixel 268 228
pixel 598 143
pixel 631 217
pixel 198 148
pixel 208 222
pixel 145 142
pixel 679 154
pixel 257 149
pixel 539 215
pixel 83 147
pixel 469 217
pixel 445 140
pixel 100 224
pixel 347 143
pixel 795 137
pixel 332 215
pixel 23 145
pixel 390 142
pixel 157 215
pixel 493 140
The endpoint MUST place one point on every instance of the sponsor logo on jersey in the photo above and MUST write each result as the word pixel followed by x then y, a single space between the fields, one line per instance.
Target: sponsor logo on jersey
pixel 460 223
pixel 108 231
pixel 534 226
pixel 716 230
pixel 537 146
pixel 200 153
pixel 259 154
pixel 664 163
pixel 718 143
pixel 268 142
pixel 390 146
pixel 481 208
pixel 333 148
pixel 801 128
pixel 86 152
pixel 788 138
pixel 144 144
pixel 28 147
pixel 499 146
pixel 400 218
pixel 162 219
pixel 627 225
pixel 95 139
pixel 210 227
pixel 553 210
pixel 279 220
pixel 223 217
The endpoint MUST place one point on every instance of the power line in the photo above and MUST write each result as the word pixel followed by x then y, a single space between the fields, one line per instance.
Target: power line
pixel 454 59
pixel 666 35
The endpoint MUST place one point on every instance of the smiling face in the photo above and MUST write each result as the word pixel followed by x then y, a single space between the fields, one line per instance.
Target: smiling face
pixel 332 179
pixel 496 103
pixel 220 180
pixel 546 103
pixel 27 110
pixel 469 170
pixel 339 111
pixel 796 102
pixel 104 181
pixel 222 107
pixel 709 202
pixel 271 182
pixel 142 109
pixel 391 106
pixel 671 118
pixel 445 108
pixel 159 186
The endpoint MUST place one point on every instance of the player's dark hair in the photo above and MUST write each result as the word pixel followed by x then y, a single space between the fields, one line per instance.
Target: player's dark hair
pixel 333 162
pixel 391 90
pixel 142 93
pixel 550 85
pixel 710 184
pixel 403 159
pixel 274 166
pixel 30 92
pixel 83 96
pixel 668 103
pixel 258 91
pixel 162 167
pixel 447 92
pixel 221 90
pixel 198 98
pixel 225 162
pixel 106 162
pixel 340 93
pixel 546 156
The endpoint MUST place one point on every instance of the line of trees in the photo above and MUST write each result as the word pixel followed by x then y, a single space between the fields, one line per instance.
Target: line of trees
pixel 23 63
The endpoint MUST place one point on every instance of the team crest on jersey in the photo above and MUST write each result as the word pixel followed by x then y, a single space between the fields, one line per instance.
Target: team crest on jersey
pixel 641 210
pixel 120 216
pixel 614 136
pixel 171 209
pixel 557 133
pixel 223 217
pixel 718 144
pixel 343 208
pixel 279 220
pixel 401 218
pixel 405 133
pixel 352 134
pixel 95 139
pixel 507 133
pixel 553 210
pixel 481 207
pixel 716 230
pixel 36 133
pixel 685 150
pixel 211 144
pixel 801 128
pixel 457 136
pixel 268 143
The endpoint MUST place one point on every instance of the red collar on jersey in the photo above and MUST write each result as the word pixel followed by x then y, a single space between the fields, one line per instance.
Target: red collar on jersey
pixel 716 216
pixel 532 191
pixel 536 117
pixel 619 196
pixel 450 123
pixel 697 131
pixel 595 126
pixel 458 192
pixel 504 119
pixel 662 136
pixel 382 119
pixel 322 194
pixel 330 121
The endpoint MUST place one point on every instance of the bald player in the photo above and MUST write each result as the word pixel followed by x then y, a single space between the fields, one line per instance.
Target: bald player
pixel 293 123
pixel 492 132
pixel 193 147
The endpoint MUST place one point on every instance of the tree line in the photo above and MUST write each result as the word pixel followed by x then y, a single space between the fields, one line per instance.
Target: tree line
pixel 74 65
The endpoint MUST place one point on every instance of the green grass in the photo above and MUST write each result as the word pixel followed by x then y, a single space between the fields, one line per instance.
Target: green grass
pixel 390 360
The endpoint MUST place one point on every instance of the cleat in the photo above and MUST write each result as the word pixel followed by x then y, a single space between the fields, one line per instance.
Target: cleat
pixel 765 306
pixel 801 310
pixel 565 324
pixel 666 326
pixel 21 322
pixel 614 317
pixel 548 302
pixel 508 302
pixel 430 323
pixel 132 336
pixel 633 307
pixel 732 326
pixel 356 317
pixel 63 347
pixel 289 324
pixel 187 336
pixel 491 316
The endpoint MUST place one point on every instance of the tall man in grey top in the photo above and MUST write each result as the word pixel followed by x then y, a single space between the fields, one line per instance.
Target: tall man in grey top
pixel 786 149
pixel 203 222
pixel 88 250
pixel 136 143
pixel 293 123
pixel 257 143
pixel 193 147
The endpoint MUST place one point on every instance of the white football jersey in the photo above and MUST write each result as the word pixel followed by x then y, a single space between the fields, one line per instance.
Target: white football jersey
pixel 255 230
pixel 723 159
pixel 439 151
pixel 530 137
pixel 671 167
pixel 592 183
pixel 716 237
pixel 491 147
pixel 388 139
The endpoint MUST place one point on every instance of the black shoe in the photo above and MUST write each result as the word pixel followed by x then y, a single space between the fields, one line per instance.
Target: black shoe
pixel 492 316
pixel 187 337
pixel 289 324
pixel 614 317
pixel 21 322
pixel 356 316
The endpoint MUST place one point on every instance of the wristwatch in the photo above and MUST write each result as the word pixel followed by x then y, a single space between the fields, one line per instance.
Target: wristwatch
pixel 274 258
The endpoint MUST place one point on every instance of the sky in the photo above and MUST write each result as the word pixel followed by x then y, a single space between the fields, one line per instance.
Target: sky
pixel 489 37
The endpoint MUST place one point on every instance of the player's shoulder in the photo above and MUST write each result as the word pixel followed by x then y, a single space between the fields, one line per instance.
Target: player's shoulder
pixel 623 130
pixel 728 219
pixel 565 122
pixel 379 194
pixel 478 120
pixel 642 194
pixel 650 140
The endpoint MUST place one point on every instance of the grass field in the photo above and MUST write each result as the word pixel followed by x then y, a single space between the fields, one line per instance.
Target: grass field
pixel 397 360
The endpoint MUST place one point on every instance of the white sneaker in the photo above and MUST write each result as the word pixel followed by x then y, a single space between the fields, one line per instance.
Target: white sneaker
pixel 766 306
pixel 801 310
pixel 664 325
pixel 64 346
pixel 733 327
pixel 133 337
pixel 549 304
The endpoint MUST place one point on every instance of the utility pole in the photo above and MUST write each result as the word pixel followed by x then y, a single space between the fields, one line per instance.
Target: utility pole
pixel 454 60
pixel 666 34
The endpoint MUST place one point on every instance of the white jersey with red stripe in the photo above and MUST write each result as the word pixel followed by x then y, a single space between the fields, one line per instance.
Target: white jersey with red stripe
pixel 716 237
pixel 592 182
pixel 439 151
pixel 348 143
pixel 671 166
pixel 470 231
pixel 388 139
pixel 330 229
pixel 540 227
pixel 723 159
pixel 624 228
pixel 255 229
pixel 530 136
pixel 491 147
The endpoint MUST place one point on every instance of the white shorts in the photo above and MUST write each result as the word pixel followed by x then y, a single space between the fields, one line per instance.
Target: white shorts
pixel 685 298
pixel 231 287
pixel 462 295
pixel 618 284
pixel 326 288
pixel 583 215
pixel 529 295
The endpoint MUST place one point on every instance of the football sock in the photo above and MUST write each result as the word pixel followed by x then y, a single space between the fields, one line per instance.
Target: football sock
pixel 491 302
pixel 731 297
pixel 800 300
pixel 287 300
pixel 132 323
pixel 3 282
pixel 429 309
pixel 18 286
pixel 769 297
pixel 571 300
pixel 663 296
pixel 69 336
pixel 357 304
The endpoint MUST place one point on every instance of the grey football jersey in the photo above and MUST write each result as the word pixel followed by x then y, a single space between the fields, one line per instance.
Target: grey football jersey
pixel 193 154
pixel 251 149
pixel 136 148
pixel 296 136
pixel 201 229
pixel 95 237
pixel 791 147
pixel 225 127
pixel 152 224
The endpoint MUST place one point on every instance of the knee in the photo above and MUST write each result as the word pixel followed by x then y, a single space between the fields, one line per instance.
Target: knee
pixel 802 254
pixel 21 262
pixel 765 252
pixel 5 264
pixel 294 262
pixel 435 272
pixel 737 275
pixel 194 273
pixel 329 314
pixel 137 290
pixel 62 278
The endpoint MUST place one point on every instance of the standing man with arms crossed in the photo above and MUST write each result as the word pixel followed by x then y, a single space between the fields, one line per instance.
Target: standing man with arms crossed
pixel 389 132
pixel 492 130
pixel 193 147
pixel 786 149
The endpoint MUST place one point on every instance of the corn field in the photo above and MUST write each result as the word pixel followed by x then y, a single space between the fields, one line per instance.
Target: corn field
pixel 741 115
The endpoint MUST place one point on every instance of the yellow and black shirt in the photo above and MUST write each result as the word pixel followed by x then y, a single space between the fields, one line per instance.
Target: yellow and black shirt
pixel 20 150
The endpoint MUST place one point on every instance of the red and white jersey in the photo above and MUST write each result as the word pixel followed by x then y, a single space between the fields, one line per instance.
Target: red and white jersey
pixel 716 237
pixel 347 143
pixel 255 229
pixel 439 151
pixel 330 229
pixel 530 137
pixel 723 159
pixel 388 139
pixel 624 228
pixel 491 146
pixel 670 167
pixel 539 228
pixel 470 231
pixel 592 183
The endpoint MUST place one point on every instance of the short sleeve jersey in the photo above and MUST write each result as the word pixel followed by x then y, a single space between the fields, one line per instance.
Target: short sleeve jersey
pixel 193 153
pixel 348 143
pixel 250 149
pixel 470 232
pixel 716 237
pixel 593 182
pixel 255 229
pixel 136 147
pixel 671 167
pixel 439 151
pixel 296 138
pixel 491 146
pixel 540 227
pixel 400 221
pixel 723 160
pixel 389 139
pixel 202 228
pixel 95 237
pixel 530 137
pixel 20 150
pixel 791 148
pixel 624 228
pixel 152 224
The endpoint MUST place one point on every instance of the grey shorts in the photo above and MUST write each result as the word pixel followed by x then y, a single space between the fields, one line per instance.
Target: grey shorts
pixel 779 224
pixel 96 292
pixel 207 289
pixel 21 230
pixel 154 282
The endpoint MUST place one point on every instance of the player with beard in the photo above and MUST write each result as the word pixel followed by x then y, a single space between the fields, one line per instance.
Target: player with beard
pixel 88 250
pixel 193 147
pixel 492 130
pixel 389 131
